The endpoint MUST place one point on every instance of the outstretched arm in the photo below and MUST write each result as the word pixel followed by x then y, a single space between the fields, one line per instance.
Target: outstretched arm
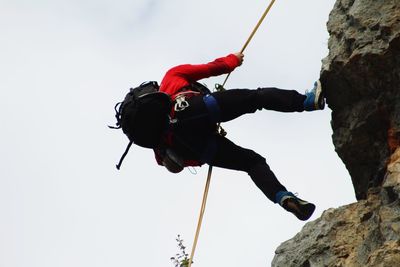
pixel 217 67
pixel 182 75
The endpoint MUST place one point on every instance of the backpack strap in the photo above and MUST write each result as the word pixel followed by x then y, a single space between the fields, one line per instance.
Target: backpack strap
pixel 124 155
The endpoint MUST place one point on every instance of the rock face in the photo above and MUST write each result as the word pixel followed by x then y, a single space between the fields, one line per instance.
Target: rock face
pixel 362 234
pixel 361 81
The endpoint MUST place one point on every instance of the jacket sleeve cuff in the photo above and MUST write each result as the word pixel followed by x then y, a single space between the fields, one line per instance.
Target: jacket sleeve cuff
pixel 232 61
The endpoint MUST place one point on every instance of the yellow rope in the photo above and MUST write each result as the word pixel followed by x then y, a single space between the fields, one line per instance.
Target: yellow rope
pixel 202 210
pixel 252 34
pixel 207 186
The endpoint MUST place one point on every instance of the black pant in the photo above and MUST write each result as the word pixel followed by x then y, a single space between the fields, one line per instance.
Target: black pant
pixel 196 137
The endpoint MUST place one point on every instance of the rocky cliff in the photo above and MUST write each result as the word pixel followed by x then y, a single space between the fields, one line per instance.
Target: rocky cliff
pixel 361 81
pixel 361 78
pixel 362 234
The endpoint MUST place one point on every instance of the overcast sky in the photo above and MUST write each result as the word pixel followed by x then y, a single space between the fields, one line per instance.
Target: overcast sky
pixel 63 66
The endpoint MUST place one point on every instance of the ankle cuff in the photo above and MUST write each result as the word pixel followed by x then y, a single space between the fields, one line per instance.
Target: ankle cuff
pixel 280 195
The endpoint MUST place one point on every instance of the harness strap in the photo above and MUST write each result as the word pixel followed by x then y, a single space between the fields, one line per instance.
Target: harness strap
pixel 212 107
pixel 213 113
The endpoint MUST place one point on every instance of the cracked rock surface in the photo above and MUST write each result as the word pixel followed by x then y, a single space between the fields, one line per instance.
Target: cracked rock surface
pixel 361 82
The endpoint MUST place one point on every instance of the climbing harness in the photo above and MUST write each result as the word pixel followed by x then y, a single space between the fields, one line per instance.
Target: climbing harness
pixel 181 103
pixel 221 131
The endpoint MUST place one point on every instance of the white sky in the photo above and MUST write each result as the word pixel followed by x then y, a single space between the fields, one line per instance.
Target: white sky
pixel 64 64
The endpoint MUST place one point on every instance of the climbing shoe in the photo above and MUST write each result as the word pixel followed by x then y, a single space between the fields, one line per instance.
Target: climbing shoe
pixel 314 98
pixel 300 208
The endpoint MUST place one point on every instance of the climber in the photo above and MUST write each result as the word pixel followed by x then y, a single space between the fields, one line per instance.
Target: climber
pixel 193 139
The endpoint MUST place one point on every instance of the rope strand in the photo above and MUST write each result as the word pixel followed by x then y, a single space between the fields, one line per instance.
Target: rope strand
pixel 207 186
pixel 260 21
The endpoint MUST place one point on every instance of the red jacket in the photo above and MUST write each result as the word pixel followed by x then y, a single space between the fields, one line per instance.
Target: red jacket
pixel 183 75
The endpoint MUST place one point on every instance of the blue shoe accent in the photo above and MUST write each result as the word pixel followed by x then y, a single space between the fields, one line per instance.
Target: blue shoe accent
pixel 314 98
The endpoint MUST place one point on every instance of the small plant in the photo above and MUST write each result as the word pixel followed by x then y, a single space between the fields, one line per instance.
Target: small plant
pixel 181 259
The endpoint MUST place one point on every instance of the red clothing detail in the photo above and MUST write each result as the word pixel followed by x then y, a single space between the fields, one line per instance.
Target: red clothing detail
pixel 180 76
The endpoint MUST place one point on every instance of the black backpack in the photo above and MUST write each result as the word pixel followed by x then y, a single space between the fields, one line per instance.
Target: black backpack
pixel 144 115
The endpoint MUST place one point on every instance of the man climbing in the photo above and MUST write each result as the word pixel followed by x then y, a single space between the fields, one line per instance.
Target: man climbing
pixel 194 140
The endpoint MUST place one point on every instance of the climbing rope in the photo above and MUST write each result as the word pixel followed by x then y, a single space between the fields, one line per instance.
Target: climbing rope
pixel 221 131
